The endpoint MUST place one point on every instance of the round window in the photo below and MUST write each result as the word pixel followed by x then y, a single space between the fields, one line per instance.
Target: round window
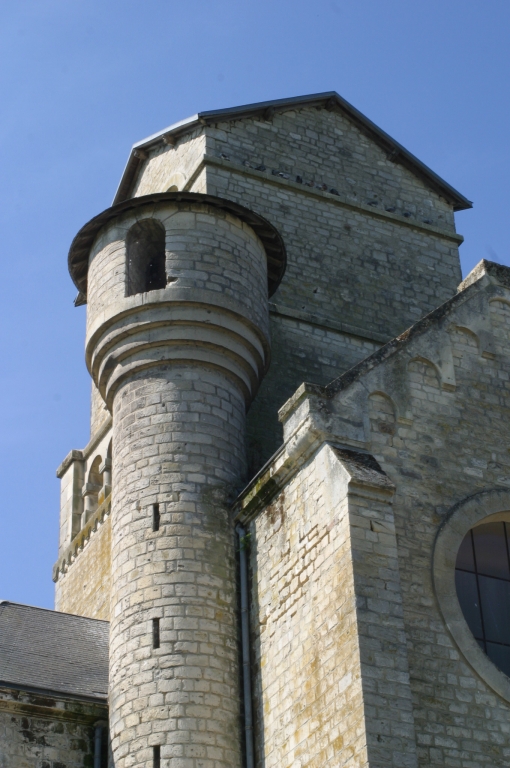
pixel 482 579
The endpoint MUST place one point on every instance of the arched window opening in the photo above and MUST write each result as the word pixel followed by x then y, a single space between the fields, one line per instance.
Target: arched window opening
pixel 145 247
pixel 91 489
pixel 105 470
pixel 482 577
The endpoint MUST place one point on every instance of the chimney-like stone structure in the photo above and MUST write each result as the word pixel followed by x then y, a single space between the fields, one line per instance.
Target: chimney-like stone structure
pixel 177 343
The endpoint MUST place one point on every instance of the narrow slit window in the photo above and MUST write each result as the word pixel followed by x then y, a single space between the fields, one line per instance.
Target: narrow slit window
pixel 155 633
pixel 155 517
pixel 156 761
pixel 145 253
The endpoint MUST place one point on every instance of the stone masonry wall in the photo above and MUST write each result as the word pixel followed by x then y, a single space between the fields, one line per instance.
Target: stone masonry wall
pixel 330 657
pixel 363 279
pixel 375 274
pixel 233 259
pixel 455 444
pixel 300 351
pixel 178 442
pixel 367 262
pixel 43 731
pixel 176 366
pixel 167 166
pixel 71 502
pixel 326 147
pixel 306 665
pixel 434 413
pixel 84 589
pixel 82 572
pixel 98 411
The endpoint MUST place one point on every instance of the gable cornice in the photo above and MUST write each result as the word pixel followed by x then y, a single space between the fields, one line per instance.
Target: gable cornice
pixel 329 100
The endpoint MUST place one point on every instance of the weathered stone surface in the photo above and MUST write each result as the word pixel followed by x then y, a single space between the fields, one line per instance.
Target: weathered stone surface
pixel 363 265
pixel 354 663
pixel 45 731
pixel 86 589
pixel 432 407
pixel 331 660
pixel 177 367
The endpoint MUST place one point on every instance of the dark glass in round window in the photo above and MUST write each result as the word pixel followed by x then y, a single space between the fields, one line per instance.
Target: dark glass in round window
pixel 482 577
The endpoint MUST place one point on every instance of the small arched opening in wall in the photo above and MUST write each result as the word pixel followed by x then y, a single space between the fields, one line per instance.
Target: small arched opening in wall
pixel 91 490
pixel 382 417
pixel 423 373
pixel 145 254
pixel 106 473
pixel 176 182
pixel 471 571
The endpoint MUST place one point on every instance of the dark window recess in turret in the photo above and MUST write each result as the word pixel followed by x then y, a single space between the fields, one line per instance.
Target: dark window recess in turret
pixel 155 517
pixel 155 633
pixel 156 762
pixel 145 253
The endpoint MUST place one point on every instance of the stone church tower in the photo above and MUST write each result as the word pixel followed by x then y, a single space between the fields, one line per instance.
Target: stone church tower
pixel 292 570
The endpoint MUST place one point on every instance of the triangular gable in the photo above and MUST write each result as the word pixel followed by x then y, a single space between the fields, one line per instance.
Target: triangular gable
pixel 341 412
pixel 329 100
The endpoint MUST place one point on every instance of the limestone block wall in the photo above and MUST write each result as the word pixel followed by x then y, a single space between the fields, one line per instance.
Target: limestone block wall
pixel 307 682
pixel 84 587
pixel 177 366
pixel 455 445
pixel 82 570
pixel 300 351
pixel 168 167
pixel 356 264
pixel 364 263
pixel 433 408
pixel 73 473
pixel 361 279
pixel 367 268
pixel 178 443
pixel 326 147
pixel 98 411
pixel 330 655
pixel 43 730
pixel 213 235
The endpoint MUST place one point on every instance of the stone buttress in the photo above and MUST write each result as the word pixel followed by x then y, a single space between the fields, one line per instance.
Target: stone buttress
pixel 177 343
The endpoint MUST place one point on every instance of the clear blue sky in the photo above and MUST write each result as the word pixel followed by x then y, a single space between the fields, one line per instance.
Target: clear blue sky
pixel 82 80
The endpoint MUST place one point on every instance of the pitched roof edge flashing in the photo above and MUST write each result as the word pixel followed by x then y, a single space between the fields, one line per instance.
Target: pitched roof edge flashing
pixel 328 99
pixel 52 610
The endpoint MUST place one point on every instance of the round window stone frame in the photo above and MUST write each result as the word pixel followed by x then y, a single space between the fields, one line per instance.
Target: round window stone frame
pixel 483 507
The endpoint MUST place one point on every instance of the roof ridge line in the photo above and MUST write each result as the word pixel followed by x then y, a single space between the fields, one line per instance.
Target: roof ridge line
pixel 51 610
pixel 329 100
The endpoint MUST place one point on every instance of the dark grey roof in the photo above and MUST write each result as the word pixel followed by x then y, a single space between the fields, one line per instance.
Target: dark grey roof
pixel 329 100
pixel 53 651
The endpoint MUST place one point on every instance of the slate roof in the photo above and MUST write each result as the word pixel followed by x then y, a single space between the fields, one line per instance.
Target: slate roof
pixel 329 100
pixel 52 651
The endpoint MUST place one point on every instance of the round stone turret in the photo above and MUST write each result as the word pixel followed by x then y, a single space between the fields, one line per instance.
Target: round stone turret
pixel 177 343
